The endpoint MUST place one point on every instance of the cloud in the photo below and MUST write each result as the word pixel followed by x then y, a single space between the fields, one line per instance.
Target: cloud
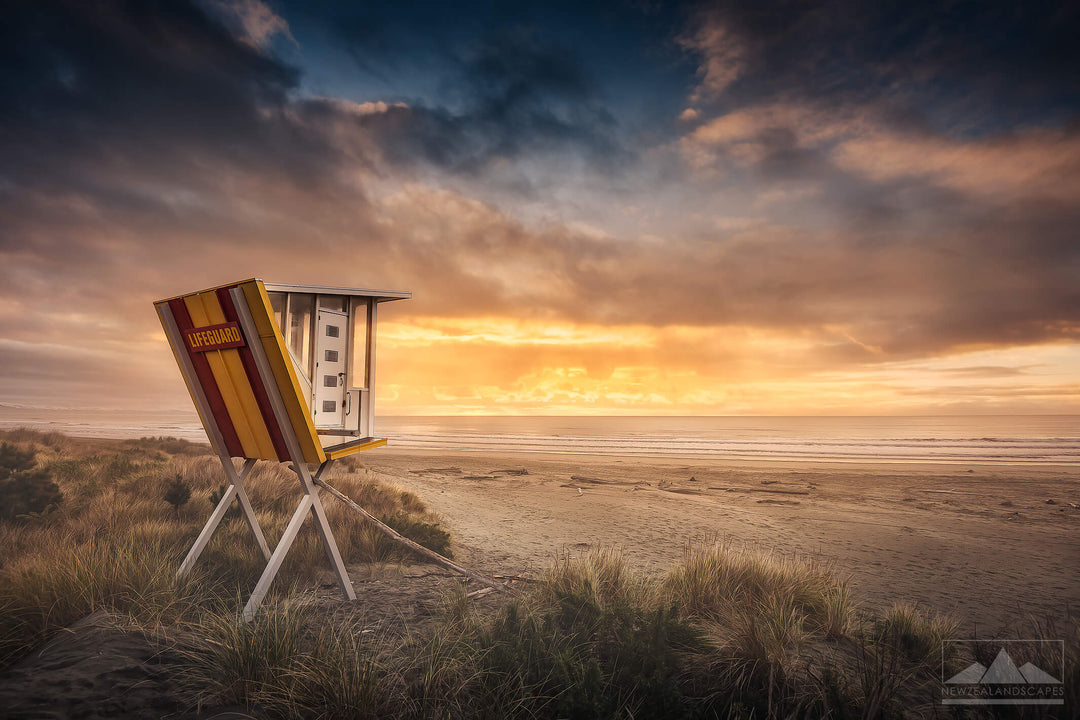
pixel 990 281
pixel 253 21
pixel 59 374
pixel 968 236
pixel 940 63
pixel 515 96
pixel 148 151
pixel 348 107
pixel 723 57
pixel 1033 163
pixel 448 367
pixel 114 91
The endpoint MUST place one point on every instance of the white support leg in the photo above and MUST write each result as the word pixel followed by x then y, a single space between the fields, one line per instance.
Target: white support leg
pixel 249 511
pixel 277 557
pixel 327 535
pixel 310 501
pixel 235 489
pixel 207 531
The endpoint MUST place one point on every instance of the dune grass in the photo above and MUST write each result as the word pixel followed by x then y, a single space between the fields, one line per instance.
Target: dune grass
pixel 113 541
pixel 593 639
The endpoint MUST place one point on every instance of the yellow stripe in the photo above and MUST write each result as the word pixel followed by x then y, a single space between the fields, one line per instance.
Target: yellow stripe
pixel 205 310
pixel 213 289
pixel 333 454
pixel 191 390
pixel 284 374
pixel 242 384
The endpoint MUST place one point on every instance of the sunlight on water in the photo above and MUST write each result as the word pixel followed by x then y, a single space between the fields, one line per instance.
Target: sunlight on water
pixel 1027 439
pixel 997 439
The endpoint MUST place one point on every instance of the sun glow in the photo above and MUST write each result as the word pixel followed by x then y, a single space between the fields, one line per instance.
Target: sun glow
pixel 503 366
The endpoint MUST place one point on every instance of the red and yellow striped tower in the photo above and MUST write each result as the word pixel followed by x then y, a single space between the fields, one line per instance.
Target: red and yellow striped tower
pixel 254 398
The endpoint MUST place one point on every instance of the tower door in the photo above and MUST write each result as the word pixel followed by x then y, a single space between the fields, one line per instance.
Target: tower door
pixel 329 379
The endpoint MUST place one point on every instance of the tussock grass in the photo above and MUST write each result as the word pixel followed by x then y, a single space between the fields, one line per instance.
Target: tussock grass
pixel 897 658
pixel 716 581
pixel 592 639
pixel 914 633
pixel 348 678
pixel 115 542
pixel 64 580
pixel 600 578
pixel 239 662
pixel 287 663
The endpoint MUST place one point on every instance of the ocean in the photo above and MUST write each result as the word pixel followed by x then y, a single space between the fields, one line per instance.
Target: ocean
pixel 1045 439
pixel 990 439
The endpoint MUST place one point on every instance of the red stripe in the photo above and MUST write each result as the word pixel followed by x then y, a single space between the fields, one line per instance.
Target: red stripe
pixel 209 386
pixel 252 370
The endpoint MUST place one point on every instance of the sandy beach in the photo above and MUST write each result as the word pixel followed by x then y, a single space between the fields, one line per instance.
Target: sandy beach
pixel 983 543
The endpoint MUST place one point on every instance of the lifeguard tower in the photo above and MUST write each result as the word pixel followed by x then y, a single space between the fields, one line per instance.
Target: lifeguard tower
pixel 283 373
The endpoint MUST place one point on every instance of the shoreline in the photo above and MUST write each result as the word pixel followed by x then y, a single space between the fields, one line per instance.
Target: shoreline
pixel 779 462
pixel 1037 441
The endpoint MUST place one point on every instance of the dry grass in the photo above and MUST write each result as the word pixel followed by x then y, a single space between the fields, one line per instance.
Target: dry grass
pixel 114 541
pixel 591 639
pixel 915 633
pixel 600 577
pixel 717 581
pixel 286 663
pixel 63 580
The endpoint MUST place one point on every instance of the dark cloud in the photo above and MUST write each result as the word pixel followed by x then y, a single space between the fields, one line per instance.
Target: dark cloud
pixel 136 132
pixel 959 66
pixel 105 82
pixel 513 97
pixel 102 94
pixel 130 133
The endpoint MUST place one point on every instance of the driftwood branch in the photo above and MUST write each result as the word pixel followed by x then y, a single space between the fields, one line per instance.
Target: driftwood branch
pixel 415 547
pixel 504 578
pixel 590 480
pixel 761 490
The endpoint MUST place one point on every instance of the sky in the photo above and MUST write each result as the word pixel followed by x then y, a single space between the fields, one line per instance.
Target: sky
pixel 621 207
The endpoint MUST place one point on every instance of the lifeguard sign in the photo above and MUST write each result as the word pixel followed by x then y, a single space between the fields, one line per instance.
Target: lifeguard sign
pixel 283 373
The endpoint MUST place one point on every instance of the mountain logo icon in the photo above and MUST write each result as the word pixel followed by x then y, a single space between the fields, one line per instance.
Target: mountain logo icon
pixel 1003 671
pixel 1011 679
